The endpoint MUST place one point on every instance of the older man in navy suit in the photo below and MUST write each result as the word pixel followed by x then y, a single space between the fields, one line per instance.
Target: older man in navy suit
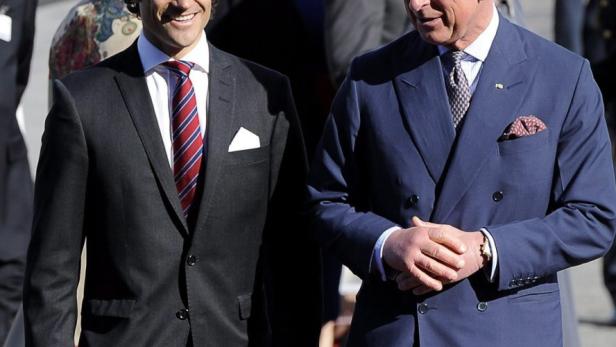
pixel 463 165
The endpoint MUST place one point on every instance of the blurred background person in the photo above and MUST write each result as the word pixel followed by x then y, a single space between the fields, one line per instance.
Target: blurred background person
pixel 568 24
pixel 16 41
pixel 93 30
pixel 287 36
pixel 600 49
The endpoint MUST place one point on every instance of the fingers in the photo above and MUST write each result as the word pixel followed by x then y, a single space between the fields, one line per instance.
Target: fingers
pixel 436 269
pixel 421 290
pixel 442 234
pixel 406 282
pixel 425 279
pixel 444 255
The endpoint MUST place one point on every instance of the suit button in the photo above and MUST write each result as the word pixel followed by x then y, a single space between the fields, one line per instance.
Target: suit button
pixel 413 200
pixel 191 260
pixel 482 306
pixel 497 196
pixel 422 308
pixel 182 314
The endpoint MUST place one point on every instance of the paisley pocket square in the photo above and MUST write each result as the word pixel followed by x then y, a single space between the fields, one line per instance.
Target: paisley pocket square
pixel 523 126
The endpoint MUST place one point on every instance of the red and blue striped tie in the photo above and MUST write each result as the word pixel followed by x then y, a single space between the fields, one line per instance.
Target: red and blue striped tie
pixel 186 138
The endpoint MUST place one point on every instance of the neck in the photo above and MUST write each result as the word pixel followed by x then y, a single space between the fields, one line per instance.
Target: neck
pixel 481 20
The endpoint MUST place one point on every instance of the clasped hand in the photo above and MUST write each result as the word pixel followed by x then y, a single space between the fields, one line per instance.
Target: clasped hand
pixel 429 255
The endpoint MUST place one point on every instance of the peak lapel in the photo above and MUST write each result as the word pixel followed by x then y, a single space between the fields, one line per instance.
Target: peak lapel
pixel 134 90
pixel 492 109
pixel 421 90
pixel 220 119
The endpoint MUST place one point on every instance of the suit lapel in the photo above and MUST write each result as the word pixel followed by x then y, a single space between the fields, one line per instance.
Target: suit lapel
pixel 220 120
pixel 491 110
pixel 427 118
pixel 134 90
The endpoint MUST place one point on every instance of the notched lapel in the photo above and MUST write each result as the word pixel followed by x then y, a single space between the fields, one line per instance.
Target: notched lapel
pixel 500 91
pixel 134 90
pixel 427 118
pixel 220 119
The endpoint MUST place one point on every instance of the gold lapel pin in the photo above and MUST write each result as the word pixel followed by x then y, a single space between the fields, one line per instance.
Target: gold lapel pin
pixel 499 86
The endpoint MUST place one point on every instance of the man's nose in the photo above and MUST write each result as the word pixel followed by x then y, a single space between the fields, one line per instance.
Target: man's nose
pixel 183 3
pixel 416 5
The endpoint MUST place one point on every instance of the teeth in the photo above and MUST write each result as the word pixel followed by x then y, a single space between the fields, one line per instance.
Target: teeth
pixel 184 18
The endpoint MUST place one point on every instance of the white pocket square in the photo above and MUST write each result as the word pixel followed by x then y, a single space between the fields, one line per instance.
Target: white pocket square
pixel 243 140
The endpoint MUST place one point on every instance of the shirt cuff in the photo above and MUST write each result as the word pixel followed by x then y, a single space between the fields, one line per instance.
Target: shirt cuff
pixel 377 253
pixel 494 261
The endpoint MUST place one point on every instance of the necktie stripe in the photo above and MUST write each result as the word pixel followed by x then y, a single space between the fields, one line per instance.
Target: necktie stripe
pixel 183 123
pixel 181 148
pixel 182 102
pixel 183 167
pixel 186 135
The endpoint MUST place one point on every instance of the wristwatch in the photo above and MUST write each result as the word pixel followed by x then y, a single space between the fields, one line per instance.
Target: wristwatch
pixel 485 250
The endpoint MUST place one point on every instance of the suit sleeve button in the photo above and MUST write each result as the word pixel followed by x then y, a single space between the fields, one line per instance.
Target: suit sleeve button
pixel 182 314
pixel 191 260
pixel 497 196
pixel 482 306
pixel 413 200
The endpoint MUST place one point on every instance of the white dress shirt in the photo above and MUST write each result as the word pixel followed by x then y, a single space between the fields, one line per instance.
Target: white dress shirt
pixel 472 63
pixel 161 82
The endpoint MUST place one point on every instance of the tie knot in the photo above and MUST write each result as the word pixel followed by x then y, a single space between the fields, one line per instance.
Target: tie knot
pixel 180 67
pixel 457 56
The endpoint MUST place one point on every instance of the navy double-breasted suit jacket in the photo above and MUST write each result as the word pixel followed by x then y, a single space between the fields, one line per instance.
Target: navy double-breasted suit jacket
pixel 390 152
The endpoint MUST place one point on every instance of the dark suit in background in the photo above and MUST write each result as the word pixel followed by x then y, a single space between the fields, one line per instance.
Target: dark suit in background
pixel 287 36
pixel 15 179
pixel 600 49
pixel 353 27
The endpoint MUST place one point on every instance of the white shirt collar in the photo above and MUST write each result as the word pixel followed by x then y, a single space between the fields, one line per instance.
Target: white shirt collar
pixel 151 56
pixel 480 48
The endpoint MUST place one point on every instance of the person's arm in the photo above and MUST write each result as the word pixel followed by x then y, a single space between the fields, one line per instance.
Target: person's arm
pixel 292 263
pixel 350 231
pixel 582 221
pixel 52 270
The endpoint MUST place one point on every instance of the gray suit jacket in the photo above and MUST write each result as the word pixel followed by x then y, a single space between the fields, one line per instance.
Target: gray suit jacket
pixel 153 278
pixel 353 27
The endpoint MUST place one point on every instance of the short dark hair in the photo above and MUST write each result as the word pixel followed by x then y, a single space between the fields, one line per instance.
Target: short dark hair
pixel 133 6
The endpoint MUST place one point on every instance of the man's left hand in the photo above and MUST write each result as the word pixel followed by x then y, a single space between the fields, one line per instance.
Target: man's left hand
pixel 473 259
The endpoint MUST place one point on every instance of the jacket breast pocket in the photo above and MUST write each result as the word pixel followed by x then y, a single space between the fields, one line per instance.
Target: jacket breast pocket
pixel 524 144
pixel 120 308
pixel 248 156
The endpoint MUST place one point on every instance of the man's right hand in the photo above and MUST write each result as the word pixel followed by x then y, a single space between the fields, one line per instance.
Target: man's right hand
pixel 429 255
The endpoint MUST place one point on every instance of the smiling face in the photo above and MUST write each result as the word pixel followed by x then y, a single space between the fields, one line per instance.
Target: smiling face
pixel 452 23
pixel 174 26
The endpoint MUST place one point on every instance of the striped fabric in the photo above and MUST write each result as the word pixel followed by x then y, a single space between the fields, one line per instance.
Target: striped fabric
pixel 186 135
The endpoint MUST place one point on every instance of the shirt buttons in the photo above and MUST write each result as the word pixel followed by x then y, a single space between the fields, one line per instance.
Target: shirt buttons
pixel 497 196
pixel 482 306
pixel 191 260
pixel 182 314
pixel 422 308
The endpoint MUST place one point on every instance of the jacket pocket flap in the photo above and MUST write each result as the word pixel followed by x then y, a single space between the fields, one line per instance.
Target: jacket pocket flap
pixel 109 308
